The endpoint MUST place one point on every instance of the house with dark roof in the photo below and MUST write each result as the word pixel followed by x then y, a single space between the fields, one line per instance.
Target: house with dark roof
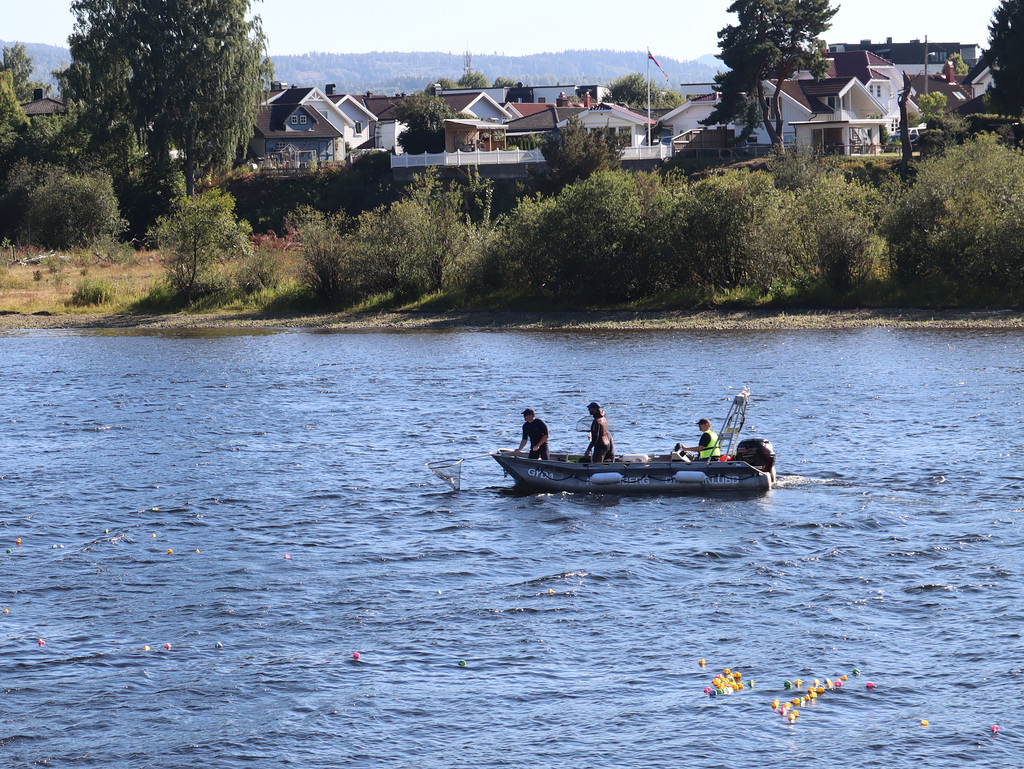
pixel 914 57
pixel 541 120
pixel 43 106
pixel 293 135
pixel 836 115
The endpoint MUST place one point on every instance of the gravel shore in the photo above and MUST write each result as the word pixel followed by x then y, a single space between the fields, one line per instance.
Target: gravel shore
pixel 624 319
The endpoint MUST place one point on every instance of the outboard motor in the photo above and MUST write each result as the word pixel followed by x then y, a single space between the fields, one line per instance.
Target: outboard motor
pixel 757 452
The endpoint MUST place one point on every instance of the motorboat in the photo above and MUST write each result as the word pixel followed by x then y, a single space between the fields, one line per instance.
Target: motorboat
pixel 747 465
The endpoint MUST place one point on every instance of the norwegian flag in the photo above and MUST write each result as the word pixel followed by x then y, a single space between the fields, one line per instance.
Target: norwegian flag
pixel 651 57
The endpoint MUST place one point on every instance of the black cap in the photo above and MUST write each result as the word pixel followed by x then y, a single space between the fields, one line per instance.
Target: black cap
pixel 594 405
pixel 528 411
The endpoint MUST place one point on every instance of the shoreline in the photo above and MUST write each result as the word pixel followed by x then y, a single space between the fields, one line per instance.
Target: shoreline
pixel 710 320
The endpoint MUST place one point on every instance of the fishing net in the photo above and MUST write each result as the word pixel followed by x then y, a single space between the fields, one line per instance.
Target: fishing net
pixel 448 470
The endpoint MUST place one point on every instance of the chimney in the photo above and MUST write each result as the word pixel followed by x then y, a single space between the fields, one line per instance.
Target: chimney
pixel 586 100
pixel 37 94
pixel 561 101
pixel 437 89
pixel 950 73
pixel 888 41
pixel 275 85
pixel 330 89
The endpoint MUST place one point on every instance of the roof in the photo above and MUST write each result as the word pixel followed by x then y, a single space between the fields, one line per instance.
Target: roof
pixel 542 120
pixel 272 120
pixel 956 95
pixel 620 110
pixel 976 71
pixel 809 93
pixel 862 65
pixel 293 95
pixel 905 53
pixel 44 106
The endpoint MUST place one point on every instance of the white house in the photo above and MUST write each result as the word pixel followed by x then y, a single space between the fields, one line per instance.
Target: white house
pixel 620 120
pixel 834 115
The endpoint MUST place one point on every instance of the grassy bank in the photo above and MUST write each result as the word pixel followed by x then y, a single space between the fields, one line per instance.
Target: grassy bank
pixel 93 290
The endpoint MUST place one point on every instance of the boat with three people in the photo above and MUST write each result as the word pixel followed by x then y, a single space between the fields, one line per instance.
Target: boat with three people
pixel 742 465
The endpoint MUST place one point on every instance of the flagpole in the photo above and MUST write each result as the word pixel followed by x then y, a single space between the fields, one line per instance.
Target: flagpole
pixel 648 97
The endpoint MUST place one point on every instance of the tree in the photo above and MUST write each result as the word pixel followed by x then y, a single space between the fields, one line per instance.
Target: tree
pixel 1005 55
pixel 631 90
pixel 188 75
pixel 424 118
pixel 773 40
pixel 19 63
pixel 11 113
pixel 474 80
pixel 446 84
pixel 199 231
pixel 13 121
pixel 577 153
pixel 504 82
pixel 933 105
pixel 69 210
pixel 959 65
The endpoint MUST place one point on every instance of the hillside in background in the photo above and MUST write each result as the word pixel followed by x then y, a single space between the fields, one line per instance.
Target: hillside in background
pixel 393 72
pixel 45 58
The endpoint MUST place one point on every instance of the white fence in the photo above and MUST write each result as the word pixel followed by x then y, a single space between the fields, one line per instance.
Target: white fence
pixel 496 157
pixel 477 158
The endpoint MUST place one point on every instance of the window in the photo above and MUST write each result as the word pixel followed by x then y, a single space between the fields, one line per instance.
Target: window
pixel 359 127
pixel 302 119
pixel 294 120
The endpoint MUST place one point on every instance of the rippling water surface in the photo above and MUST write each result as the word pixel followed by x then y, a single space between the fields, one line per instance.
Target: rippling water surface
pixel 285 470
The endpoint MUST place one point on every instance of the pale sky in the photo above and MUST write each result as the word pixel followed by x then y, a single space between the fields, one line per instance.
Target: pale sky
pixel 682 30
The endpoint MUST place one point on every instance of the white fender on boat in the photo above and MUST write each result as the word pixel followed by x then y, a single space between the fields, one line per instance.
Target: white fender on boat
pixel 690 476
pixel 635 458
pixel 606 478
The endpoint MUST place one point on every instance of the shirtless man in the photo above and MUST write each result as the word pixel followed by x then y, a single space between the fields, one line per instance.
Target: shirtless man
pixel 600 437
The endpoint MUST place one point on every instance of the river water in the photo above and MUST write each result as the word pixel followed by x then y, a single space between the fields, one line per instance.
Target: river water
pixel 258 500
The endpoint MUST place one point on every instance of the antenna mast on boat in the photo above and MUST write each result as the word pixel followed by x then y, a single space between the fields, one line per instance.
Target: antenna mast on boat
pixel 734 421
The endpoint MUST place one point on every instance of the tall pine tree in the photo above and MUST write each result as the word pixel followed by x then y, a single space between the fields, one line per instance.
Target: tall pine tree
pixel 1005 55
pixel 772 41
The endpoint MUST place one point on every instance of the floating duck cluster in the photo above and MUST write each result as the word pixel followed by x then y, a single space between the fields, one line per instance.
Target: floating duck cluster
pixel 728 682
pixel 815 689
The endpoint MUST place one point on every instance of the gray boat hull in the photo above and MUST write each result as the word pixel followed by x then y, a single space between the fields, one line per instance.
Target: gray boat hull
pixel 657 475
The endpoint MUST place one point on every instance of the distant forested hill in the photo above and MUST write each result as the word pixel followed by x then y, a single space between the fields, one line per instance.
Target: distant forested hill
pixel 45 58
pixel 386 72
pixel 393 72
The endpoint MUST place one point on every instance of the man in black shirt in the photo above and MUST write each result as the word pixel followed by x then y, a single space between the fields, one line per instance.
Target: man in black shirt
pixel 537 432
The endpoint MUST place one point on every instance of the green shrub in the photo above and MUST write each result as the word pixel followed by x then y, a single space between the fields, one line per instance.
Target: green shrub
pixel 65 210
pixel 197 233
pixel 92 292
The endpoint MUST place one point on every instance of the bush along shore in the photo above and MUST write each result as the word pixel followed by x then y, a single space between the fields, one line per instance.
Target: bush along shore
pixel 797 241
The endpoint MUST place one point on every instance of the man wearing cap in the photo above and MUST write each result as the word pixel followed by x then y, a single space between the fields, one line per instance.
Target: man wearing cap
pixel 600 437
pixel 708 447
pixel 537 432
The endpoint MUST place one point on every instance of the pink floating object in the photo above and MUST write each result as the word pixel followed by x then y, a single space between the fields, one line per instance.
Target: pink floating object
pixel 707 690
pixel 42 642
pixel 869 685
pixel 995 728
pixel 839 684
pixel 167 646
pixel 287 557
pixel 355 655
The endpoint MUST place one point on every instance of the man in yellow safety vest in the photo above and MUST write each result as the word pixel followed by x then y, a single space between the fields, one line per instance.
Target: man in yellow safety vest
pixel 708 448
